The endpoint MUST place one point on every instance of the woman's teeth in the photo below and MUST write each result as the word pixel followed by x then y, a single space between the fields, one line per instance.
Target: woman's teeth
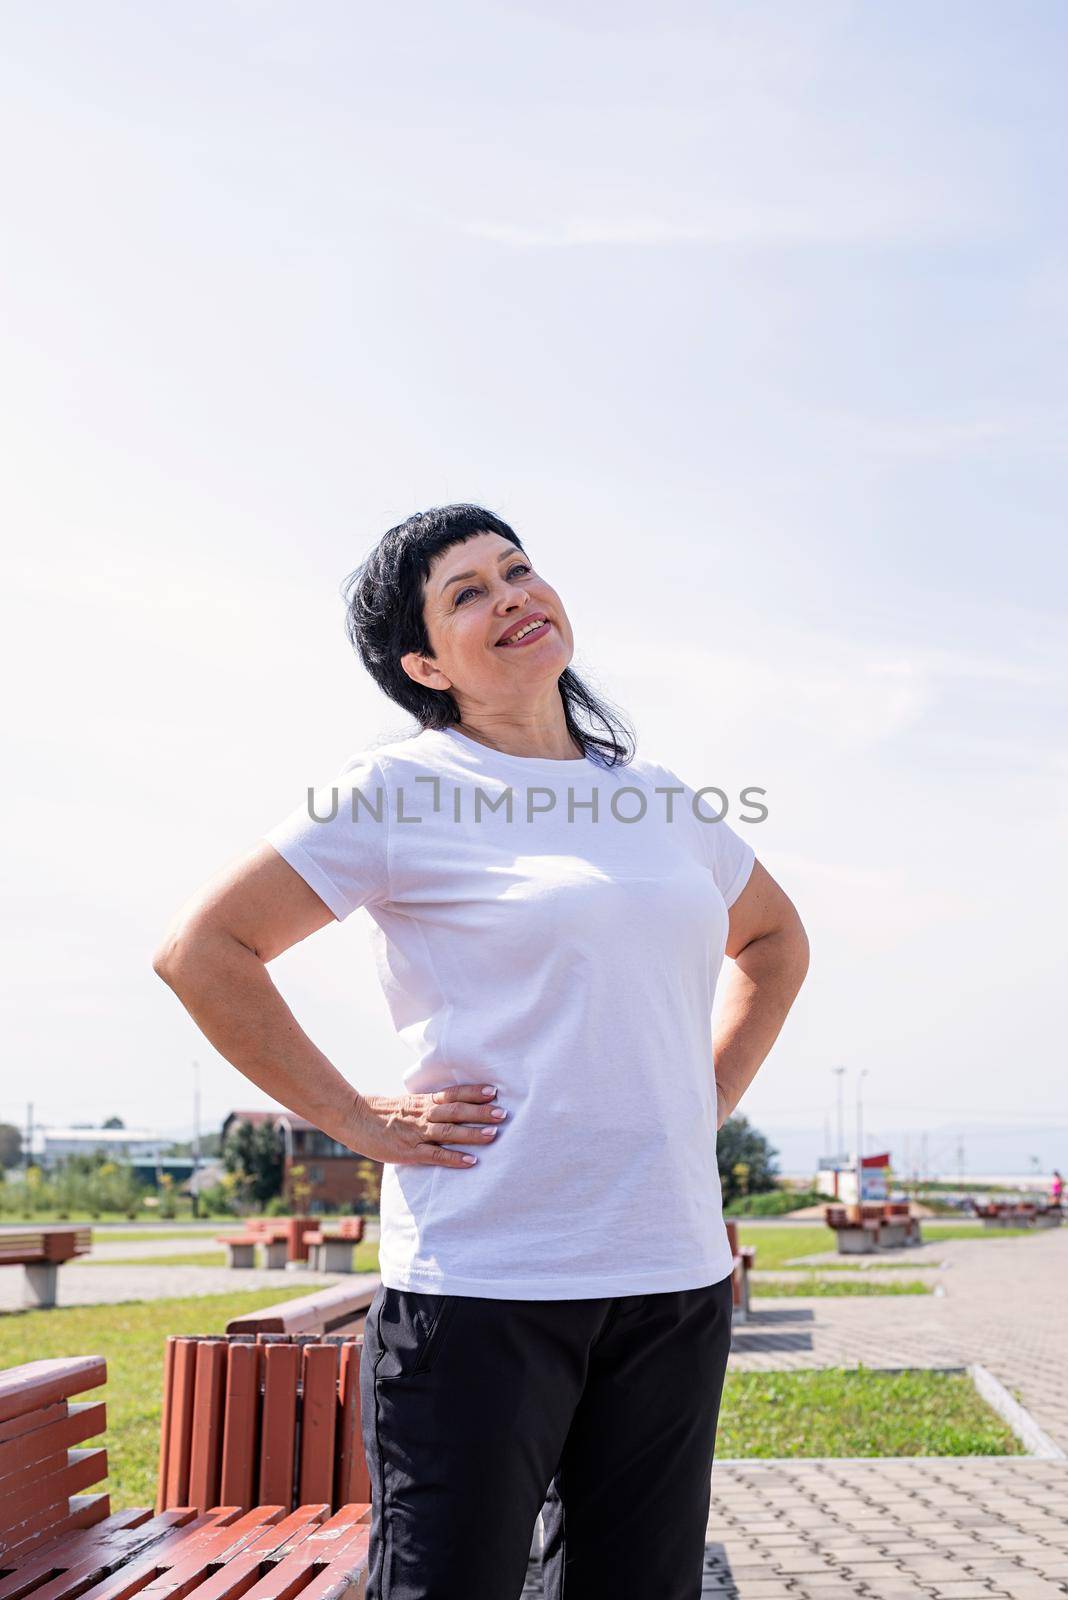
pixel 530 628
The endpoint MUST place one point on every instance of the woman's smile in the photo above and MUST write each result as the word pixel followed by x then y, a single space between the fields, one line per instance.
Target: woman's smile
pixel 524 633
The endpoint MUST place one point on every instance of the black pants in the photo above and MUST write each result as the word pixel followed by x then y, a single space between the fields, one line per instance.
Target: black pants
pixel 477 1413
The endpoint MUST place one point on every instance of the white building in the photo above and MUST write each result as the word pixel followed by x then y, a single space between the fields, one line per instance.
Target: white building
pixel 49 1145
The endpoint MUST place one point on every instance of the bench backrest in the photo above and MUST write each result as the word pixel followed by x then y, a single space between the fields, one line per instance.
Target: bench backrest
pixel 41 1470
pixel 341 1309
pixel 270 1419
pixel 30 1246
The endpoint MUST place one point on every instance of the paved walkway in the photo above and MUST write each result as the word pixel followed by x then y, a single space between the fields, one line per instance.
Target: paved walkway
pixel 910 1528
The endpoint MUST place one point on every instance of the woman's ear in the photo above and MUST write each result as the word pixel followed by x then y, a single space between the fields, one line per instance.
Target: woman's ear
pixel 421 670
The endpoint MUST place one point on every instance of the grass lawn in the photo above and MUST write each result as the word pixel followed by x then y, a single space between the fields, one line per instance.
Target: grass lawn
pixel 777 1246
pixel 200 1258
pixel 835 1412
pixel 809 1284
pixel 103 1235
pixel 131 1338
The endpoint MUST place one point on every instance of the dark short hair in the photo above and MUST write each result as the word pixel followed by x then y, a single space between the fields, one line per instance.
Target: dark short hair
pixel 384 621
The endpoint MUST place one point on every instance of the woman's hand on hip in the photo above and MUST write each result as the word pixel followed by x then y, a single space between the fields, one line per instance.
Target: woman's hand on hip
pixel 416 1129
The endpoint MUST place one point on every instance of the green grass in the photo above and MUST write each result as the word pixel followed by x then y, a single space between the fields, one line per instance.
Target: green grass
pixel 131 1338
pixel 939 1231
pixel 202 1258
pixel 777 1246
pixel 835 1412
pixel 152 1235
pixel 820 1288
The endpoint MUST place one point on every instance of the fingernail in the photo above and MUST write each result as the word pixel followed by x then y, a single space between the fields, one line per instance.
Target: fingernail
pixel 470 1160
pixel 489 1088
pixel 499 1113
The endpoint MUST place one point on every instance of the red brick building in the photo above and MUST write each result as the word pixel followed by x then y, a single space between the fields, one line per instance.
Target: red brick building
pixel 319 1174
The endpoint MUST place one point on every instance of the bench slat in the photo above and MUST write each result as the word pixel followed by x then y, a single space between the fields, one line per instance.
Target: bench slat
pixel 40 1383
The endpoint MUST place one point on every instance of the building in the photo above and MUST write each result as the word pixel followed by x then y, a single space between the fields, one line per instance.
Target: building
pixel 140 1147
pixel 335 1177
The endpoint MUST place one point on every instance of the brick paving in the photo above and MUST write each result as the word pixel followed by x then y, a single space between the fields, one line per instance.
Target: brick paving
pixel 913 1528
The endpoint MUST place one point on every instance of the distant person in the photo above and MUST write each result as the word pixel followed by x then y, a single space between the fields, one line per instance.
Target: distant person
pixel 554 1317
pixel 1056 1189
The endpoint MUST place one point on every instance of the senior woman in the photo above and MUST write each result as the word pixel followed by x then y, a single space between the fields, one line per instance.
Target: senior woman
pixel 550 914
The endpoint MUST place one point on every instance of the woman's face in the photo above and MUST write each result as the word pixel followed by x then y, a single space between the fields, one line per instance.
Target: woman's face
pixel 477 592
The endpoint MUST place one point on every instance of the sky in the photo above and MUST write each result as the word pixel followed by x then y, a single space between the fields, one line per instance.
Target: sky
pixel 750 320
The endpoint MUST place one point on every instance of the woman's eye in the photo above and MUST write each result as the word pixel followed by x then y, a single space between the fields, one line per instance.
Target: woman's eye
pixel 520 566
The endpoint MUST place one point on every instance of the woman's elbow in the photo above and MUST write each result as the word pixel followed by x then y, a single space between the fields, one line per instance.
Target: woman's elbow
pixel 800 950
pixel 178 952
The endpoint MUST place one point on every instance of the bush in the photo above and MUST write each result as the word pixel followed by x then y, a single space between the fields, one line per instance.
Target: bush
pixel 218 1201
pixel 776 1203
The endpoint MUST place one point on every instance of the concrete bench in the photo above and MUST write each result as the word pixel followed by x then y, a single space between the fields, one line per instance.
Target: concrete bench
pixel 41 1251
pixel 56 1542
pixel 240 1248
pixel 330 1252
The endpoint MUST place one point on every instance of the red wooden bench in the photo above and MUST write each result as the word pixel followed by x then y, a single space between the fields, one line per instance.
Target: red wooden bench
pixel 41 1251
pixel 57 1544
pixel 267 1419
pixel 42 1470
pixel 1018 1214
pixel 341 1309
pixel 289 1231
pixel 744 1256
pixel 875 1225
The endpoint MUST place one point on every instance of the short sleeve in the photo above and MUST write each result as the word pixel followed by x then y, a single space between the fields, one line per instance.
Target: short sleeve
pixel 338 839
pixel 728 856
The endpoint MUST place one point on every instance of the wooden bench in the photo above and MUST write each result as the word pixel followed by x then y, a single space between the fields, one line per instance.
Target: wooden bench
pixel 268 1419
pixel 744 1257
pixel 42 1470
pixel 58 1544
pixel 876 1225
pixel 290 1231
pixel 41 1251
pixel 1018 1214
pixel 341 1309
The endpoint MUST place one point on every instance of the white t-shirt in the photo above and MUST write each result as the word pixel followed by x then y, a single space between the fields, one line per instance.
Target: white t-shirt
pixel 572 961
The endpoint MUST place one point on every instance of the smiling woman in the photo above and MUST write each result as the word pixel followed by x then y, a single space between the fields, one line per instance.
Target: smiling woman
pixel 436 595
pixel 554 975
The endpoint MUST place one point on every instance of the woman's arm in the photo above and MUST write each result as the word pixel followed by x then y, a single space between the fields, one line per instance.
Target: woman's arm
pixel 214 957
pixel 769 948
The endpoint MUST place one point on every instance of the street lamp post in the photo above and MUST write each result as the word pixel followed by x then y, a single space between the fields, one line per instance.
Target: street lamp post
pixel 863 1073
pixel 839 1073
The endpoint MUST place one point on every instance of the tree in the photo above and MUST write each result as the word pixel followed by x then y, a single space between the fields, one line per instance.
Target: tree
pixel 746 1160
pixel 113 1122
pixel 255 1156
pixel 10 1145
